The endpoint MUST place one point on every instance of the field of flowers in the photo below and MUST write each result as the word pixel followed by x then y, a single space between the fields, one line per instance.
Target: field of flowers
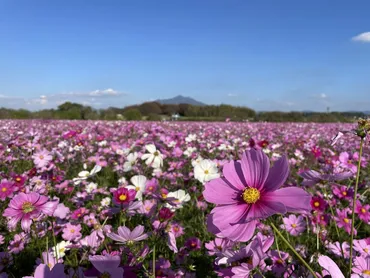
pixel 177 199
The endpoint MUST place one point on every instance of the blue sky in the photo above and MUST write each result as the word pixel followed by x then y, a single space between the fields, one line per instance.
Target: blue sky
pixel 268 55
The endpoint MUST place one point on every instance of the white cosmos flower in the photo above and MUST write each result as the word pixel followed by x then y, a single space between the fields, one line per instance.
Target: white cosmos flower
pixel 91 187
pixel 206 170
pixel 102 143
pixel 181 197
pixel 131 161
pixel 60 249
pixel 105 202
pixel 83 175
pixel 197 161
pixel 171 144
pixel 122 180
pixel 154 157
pixel 191 137
pixel 139 182
pixel 189 151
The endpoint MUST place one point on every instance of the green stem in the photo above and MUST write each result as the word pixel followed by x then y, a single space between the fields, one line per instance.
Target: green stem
pixel 277 244
pixel 317 237
pixel 153 265
pixel 55 241
pixel 354 206
pixel 293 250
pixel 335 223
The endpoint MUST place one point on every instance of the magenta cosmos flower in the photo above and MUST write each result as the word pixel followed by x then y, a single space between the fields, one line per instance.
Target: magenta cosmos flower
pixel 125 235
pixel 250 191
pixel 25 207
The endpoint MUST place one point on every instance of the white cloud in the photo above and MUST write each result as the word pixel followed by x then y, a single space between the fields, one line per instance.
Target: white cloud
pixel 106 92
pixel 363 37
pixel 232 95
pixel 323 95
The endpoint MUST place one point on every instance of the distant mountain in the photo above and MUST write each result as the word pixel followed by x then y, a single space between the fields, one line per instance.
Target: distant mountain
pixel 180 99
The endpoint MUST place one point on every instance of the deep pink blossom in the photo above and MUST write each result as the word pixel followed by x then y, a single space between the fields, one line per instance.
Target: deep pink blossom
pixel 24 207
pixel 250 191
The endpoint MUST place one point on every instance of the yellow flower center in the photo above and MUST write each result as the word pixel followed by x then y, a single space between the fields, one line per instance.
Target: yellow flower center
pixel 156 153
pixel 4 189
pixel 206 172
pixel 164 195
pixel 344 193
pixel 294 225
pixel 72 231
pixel 366 271
pixel 363 210
pixel 27 207
pixel 122 197
pixel 251 195
pixel 316 204
pixel 366 250
pixel 346 220
pixel 137 188
pixel 105 275
pixel 18 179
pixel 41 157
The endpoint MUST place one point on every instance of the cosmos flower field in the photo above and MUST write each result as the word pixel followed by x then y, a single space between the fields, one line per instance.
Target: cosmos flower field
pixel 180 199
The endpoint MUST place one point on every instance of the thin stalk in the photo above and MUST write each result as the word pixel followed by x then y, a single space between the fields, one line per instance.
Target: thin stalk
pixel 354 206
pixel 293 250
pixel 277 244
pixel 335 223
pixel 55 241
pixel 317 238
pixel 153 263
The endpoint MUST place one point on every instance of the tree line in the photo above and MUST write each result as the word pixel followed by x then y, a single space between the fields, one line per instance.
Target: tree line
pixel 154 111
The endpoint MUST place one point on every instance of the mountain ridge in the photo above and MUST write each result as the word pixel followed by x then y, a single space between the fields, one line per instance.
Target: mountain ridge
pixel 181 99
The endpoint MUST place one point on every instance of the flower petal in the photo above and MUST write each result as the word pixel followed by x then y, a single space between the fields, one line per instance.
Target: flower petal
pixel 234 174
pixel 124 232
pixel 265 208
pixel 219 192
pixel 330 266
pixel 295 199
pixel 277 175
pixel 255 166
pixel 240 232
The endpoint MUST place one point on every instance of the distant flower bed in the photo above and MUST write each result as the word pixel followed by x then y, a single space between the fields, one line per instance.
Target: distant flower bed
pixel 183 199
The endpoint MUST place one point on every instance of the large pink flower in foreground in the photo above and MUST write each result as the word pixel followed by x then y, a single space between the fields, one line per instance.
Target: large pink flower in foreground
pixel 250 191
pixel 25 207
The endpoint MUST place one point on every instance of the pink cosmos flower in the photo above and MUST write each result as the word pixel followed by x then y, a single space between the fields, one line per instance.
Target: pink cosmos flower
pixel 6 189
pixel 126 236
pixel 344 221
pixel 342 192
pixel 318 203
pixel 123 195
pixel 361 267
pixel 25 207
pixel 363 211
pixel 71 232
pixel 42 158
pixel 250 191
pixel 330 266
pixel 294 225
pixel 218 245
pixel 108 265
pixel 193 243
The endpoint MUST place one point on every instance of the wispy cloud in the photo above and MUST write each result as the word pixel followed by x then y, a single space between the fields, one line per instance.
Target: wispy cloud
pixel 232 95
pixel 106 98
pixel 363 37
pixel 321 96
